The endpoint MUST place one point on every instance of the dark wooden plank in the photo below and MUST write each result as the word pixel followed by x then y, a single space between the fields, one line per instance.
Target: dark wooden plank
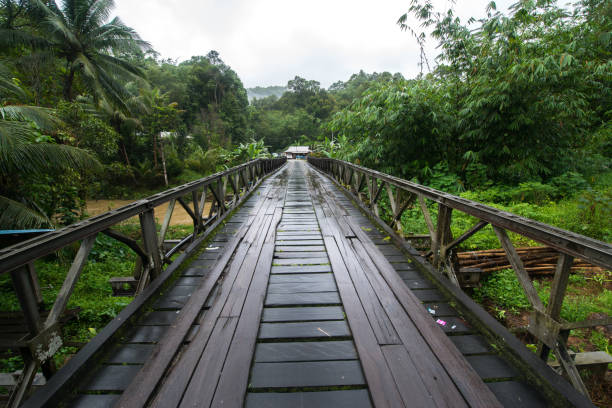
pixel 298 237
pixel 306 374
pixel 301 261
pixel 143 386
pixel 112 378
pixel 301 269
pixel 305 351
pixel 471 344
pixel 403 266
pixel 441 309
pixel 295 248
pixel 159 318
pixel 320 298
pixel 430 368
pixel 465 378
pixel 244 264
pixel 189 281
pixel 195 272
pixel 336 399
pixel 302 314
pixel 454 325
pixel 299 254
pixel 513 394
pixel 379 321
pixel 410 274
pixel 303 278
pixel 380 380
pixel 234 377
pixel 406 375
pixel 204 381
pixel 418 283
pixel 552 382
pixel 301 287
pixel 491 367
pixel 130 354
pixel 146 334
pixel 315 329
pixel 94 401
pixel 298 242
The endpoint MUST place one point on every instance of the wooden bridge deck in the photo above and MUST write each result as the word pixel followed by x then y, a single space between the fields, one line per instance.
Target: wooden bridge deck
pixel 301 302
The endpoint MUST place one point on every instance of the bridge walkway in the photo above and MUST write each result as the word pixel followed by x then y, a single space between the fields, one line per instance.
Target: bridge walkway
pixel 300 301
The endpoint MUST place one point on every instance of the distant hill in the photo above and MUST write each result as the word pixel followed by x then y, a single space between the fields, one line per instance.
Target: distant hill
pixel 259 92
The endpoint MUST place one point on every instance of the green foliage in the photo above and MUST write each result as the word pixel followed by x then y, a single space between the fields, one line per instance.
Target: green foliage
pixel 505 290
pixel 399 127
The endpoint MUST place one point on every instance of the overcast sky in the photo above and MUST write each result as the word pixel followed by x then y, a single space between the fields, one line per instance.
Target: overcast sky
pixel 268 42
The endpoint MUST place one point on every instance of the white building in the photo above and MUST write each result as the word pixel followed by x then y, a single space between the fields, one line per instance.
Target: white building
pixel 297 152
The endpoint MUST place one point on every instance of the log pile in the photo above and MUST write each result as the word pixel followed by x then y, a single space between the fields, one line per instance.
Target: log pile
pixel 537 260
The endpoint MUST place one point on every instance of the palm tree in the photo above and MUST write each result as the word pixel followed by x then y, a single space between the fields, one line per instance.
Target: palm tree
pixel 79 32
pixel 24 150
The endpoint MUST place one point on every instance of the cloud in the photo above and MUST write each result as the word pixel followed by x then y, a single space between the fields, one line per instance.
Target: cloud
pixel 268 42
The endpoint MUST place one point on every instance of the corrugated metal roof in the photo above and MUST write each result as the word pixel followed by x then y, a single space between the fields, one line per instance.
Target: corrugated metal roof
pixel 298 149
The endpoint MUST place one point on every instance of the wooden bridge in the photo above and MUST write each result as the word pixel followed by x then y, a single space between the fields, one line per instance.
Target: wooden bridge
pixel 292 292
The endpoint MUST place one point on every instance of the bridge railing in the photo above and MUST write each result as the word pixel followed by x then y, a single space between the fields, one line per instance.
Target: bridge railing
pixel 368 186
pixel 225 190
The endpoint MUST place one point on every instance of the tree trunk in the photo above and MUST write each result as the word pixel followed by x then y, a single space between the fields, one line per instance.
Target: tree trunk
pixel 125 155
pixel 161 149
pixel 155 150
pixel 68 83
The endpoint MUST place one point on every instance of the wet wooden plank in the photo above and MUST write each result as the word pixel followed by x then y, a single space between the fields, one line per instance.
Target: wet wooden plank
pixel 304 278
pixel 160 318
pixel 301 261
pixel 299 254
pixel 441 309
pixel 146 334
pixel 234 377
pixel 336 399
pixel 95 401
pixel 513 394
pixel 201 388
pixel 130 354
pixel 380 380
pixel 305 351
pixel 320 329
pixel 306 374
pixel 471 344
pixel 302 314
pixel 304 248
pixel 465 378
pixel 298 243
pixel 301 287
pixel 418 283
pixel 491 367
pixel 429 295
pixel 301 269
pixel 112 378
pixel 410 385
pixel 320 298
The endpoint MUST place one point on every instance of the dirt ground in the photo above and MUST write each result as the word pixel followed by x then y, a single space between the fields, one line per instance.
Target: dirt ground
pixel 179 215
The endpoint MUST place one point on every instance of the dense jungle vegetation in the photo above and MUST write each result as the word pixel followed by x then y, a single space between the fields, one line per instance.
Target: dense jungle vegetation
pixel 515 111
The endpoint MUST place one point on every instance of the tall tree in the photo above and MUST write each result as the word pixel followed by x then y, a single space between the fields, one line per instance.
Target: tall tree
pixel 91 46
pixel 27 151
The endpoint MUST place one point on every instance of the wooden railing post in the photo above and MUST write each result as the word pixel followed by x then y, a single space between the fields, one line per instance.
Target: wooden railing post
pixel 149 240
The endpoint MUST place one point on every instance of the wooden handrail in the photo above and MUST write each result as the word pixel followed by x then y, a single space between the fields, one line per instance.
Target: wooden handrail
pixel 594 251
pixel 22 253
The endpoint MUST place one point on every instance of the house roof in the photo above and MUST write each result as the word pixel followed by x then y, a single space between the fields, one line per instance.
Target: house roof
pixel 298 149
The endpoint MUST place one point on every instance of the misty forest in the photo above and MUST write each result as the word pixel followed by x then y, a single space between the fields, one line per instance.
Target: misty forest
pixel 514 111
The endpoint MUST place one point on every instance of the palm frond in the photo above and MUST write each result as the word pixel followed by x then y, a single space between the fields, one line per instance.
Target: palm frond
pixel 42 117
pixel 15 215
pixel 19 152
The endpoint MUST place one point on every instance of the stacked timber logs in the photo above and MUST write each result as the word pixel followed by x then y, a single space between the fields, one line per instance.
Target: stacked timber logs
pixel 537 260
